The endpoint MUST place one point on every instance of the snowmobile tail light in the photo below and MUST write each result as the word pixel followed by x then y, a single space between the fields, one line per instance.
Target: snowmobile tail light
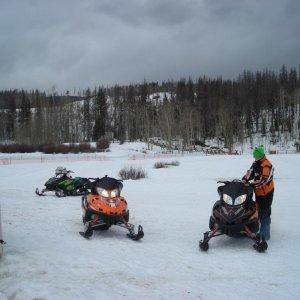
pixel 227 199
pixel 239 200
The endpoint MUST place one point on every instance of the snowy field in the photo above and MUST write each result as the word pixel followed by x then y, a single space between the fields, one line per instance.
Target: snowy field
pixel 45 258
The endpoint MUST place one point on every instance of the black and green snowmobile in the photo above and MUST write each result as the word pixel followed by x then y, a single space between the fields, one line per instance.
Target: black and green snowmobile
pixel 64 185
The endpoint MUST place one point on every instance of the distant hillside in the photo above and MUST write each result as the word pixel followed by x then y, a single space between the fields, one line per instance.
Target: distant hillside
pixel 263 103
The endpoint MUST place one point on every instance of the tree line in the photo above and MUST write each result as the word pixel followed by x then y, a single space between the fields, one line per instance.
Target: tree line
pixel 229 110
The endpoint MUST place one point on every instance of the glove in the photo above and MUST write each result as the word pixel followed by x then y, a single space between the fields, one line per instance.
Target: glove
pixel 251 183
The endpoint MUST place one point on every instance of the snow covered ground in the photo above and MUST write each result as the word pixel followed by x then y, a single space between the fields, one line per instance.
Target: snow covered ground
pixel 45 258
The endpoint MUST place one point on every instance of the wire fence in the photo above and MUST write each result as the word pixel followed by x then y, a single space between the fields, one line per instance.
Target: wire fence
pixel 283 151
pixel 1 238
pixel 25 159
pixel 48 158
pixel 141 156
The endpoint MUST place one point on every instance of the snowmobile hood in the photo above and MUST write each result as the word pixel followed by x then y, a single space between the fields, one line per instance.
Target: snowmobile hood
pixel 108 206
pixel 52 179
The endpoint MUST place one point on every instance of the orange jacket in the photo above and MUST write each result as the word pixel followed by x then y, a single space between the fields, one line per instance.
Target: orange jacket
pixel 261 172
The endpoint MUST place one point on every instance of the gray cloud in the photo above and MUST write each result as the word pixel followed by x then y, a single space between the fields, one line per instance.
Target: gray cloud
pixel 142 13
pixel 73 43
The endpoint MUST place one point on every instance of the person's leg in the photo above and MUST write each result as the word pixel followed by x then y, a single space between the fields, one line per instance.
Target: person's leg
pixel 265 204
pixel 265 222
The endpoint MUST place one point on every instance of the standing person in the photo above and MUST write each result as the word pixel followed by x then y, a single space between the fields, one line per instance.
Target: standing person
pixel 261 172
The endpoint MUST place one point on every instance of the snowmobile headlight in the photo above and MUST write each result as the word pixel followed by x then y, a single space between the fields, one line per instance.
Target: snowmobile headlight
pixel 114 193
pixel 102 192
pixel 227 199
pixel 105 193
pixel 241 199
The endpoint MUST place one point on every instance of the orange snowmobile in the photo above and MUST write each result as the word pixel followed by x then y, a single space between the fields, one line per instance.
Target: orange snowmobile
pixel 104 207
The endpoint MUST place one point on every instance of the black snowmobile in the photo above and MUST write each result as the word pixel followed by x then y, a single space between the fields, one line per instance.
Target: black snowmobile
pixel 235 214
pixel 64 185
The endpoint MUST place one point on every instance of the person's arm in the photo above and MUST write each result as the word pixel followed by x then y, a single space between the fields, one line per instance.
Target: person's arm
pixel 265 178
pixel 249 175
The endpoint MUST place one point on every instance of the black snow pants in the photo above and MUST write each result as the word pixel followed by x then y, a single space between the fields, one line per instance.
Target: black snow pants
pixel 264 204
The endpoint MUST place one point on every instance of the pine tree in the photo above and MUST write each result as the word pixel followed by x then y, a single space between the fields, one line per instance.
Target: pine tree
pixel 25 109
pixel 87 116
pixel 11 117
pixel 99 129
pixel 190 95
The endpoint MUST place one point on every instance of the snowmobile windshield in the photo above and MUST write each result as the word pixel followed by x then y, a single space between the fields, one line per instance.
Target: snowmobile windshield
pixel 235 193
pixel 60 170
pixel 52 180
pixel 109 183
pixel 64 175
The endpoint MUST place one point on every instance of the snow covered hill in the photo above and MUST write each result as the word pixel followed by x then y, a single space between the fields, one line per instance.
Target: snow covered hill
pixel 45 258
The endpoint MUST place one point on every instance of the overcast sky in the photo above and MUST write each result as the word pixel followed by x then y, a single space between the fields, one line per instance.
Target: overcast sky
pixel 80 43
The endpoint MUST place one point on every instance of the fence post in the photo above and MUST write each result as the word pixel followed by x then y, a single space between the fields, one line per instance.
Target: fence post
pixel 1 244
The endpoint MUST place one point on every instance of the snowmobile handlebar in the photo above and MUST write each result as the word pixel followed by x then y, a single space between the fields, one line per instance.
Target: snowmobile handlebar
pixel 236 180
pixel 225 182
pixel 97 178
pixel 93 178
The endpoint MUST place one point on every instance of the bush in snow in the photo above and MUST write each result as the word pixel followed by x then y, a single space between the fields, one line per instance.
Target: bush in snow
pixel 48 148
pixel 68 148
pixel 18 148
pixel 102 144
pixel 52 148
pixel 163 164
pixel 85 147
pixel 160 165
pixel 132 173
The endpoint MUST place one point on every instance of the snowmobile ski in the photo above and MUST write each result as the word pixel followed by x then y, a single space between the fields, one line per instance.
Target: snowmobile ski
pixel 136 236
pixel 42 193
